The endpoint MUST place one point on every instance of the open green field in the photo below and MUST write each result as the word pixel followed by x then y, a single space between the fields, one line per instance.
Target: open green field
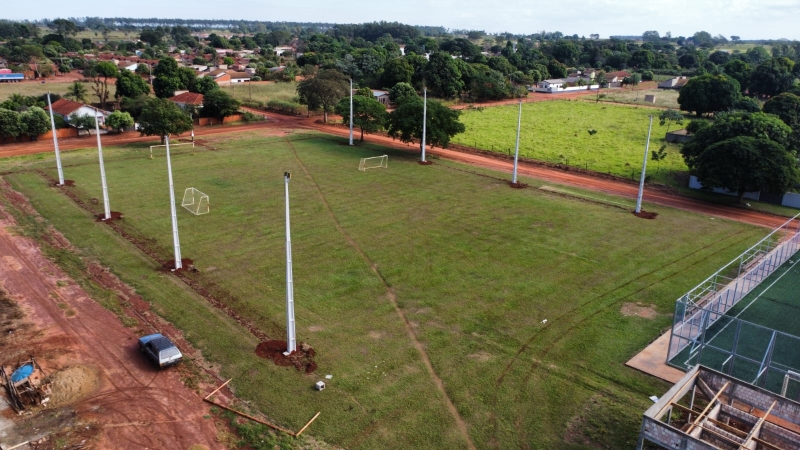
pixel 38 88
pixel 558 132
pixel 665 98
pixel 263 91
pixel 464 267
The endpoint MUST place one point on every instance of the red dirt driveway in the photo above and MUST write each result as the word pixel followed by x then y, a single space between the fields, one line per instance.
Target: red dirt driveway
pixel 108 384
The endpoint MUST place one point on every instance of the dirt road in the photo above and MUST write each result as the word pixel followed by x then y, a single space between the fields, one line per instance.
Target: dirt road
pixel 106 381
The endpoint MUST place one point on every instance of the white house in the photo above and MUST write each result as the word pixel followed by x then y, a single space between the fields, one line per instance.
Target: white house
pixel 67 108
pixel 557 85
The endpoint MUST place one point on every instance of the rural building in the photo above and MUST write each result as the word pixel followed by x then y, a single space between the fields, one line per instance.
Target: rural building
pixel 66 108
pixel 557 85
pixel 614 79
pixel 737 415
pixel 239 77
pixel 382 97
pixel 675 83
pixel 6 76
pixel 185 99
pixel 678 136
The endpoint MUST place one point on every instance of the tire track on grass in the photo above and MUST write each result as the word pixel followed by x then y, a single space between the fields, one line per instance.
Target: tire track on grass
pixel 462 426
pixel 603 308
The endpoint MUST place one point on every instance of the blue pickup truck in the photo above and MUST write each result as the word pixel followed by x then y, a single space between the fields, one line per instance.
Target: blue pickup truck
pixel 11 77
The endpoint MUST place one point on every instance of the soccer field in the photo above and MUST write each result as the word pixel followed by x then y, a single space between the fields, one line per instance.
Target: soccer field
pixel 418 286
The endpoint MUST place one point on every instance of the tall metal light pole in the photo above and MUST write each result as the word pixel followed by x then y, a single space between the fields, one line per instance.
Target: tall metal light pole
pixel 644 168
pixel 106 206
pixel 351 111
pixel 424 119
pixel 291 340
pixel 176 242
pixel 55 143
pixel 516 150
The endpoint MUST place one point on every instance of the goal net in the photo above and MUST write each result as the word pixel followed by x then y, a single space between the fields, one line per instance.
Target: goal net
pixel 791 386
pixel 374 163
pixel 195 201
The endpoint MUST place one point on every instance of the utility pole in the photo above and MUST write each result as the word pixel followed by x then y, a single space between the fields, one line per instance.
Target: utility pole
pixel 106 206
pixel 351 111
pixel 291 340
pixel 644 168
pixel 424 120
pixel 516 150
pixel 176 242
pixel 55 143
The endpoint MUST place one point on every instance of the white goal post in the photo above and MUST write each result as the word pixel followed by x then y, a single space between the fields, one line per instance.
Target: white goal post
pixel 195 201
pixel 791 386
pixel 374 163
pixel 171 145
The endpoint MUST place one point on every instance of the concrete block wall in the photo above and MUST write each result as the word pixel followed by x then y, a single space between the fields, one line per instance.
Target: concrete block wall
pixel 671 438
pixel 781 437
pixel 754 396
pixel 721 443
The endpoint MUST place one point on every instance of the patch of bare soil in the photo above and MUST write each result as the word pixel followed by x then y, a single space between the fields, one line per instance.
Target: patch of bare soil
pixel 645 215
pixel 639 310
pixel 301 359
pixel 480 356
pixel 73 383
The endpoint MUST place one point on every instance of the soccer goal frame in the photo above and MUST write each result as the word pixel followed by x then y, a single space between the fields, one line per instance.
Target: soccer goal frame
pixel 375 162
pixel 195 202
pixel 791 386
pixel 171 145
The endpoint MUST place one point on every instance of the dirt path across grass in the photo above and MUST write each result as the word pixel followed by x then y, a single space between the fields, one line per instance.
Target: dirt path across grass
pixel 132 404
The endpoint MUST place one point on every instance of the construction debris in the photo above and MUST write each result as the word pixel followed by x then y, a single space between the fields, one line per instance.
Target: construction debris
pixel 24 386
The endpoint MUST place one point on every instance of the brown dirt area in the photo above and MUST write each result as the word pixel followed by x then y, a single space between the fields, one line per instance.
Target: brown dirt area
pixel 99 378
pixel 639 310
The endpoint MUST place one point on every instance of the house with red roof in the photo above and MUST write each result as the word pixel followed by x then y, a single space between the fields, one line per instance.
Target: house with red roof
pixel 67 108
pixel 188 99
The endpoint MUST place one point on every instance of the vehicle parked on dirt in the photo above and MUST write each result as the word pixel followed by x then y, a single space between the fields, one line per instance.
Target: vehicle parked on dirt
pixel 160 350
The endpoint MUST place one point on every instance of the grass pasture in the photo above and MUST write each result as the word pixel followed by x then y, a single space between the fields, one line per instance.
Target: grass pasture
pixel 558 132
pixel 263 91
pixel 37 88
pixel 665 98
pixel 473 266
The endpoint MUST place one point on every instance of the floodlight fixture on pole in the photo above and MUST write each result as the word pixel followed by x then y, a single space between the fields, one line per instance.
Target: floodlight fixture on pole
pixel 644 168
pixel 291 340
pixel 424 119
pixel 516 149
pixel 351 111
pixel 55 143
pixel 106 206
pixel 176 242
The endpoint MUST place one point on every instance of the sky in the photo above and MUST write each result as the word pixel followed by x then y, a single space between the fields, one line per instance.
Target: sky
pixel 749 19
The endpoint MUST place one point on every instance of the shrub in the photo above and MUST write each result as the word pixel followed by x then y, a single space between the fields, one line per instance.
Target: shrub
pixel 286 107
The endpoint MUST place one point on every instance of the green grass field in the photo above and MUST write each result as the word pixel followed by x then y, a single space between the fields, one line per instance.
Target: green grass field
pixel 38 88
pixel 475 268
pixel 557 131
pixel 263 91
pixel 665 98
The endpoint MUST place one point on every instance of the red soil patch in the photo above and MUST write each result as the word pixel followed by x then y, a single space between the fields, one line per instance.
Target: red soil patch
pixel 646 215
pixel 518 185
pixel 114 216
pixel 425 163
pixel 69 183
pixel 302 359
pixel 187 264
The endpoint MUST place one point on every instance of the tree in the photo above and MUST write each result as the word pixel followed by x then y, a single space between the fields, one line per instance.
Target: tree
pixel 772 77
pixel 83 122
pixel 747 104
pixel 118 120
pixel 757 125
pixel 218 103
pixel 368 114
pixel 77 92
pixel 659 155
pixel 787 107
pixel 397 70
pixel 669 116
pixel 442 76
pixel 709 94
pixel 161 117
pixel 131 85
pixel 34 122
pixel 642 59
pixel 167 80
pixel 739 71
pixel 64 28
pixel 744 164
pixel 651 36
pixel 323 91
pixel 442 123
pixel 100 73
pixel 401 91
pixel 204 85
pixel 10 125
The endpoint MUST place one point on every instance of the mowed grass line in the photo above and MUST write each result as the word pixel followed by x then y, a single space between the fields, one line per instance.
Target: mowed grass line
pixel 558 132
pixel 476 268
pixel 263 91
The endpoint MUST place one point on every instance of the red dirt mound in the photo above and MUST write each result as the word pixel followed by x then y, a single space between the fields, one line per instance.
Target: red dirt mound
pixel 646 215
pixel 301 359
pixel 187 264
pixel 518 185
pixel 114 216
